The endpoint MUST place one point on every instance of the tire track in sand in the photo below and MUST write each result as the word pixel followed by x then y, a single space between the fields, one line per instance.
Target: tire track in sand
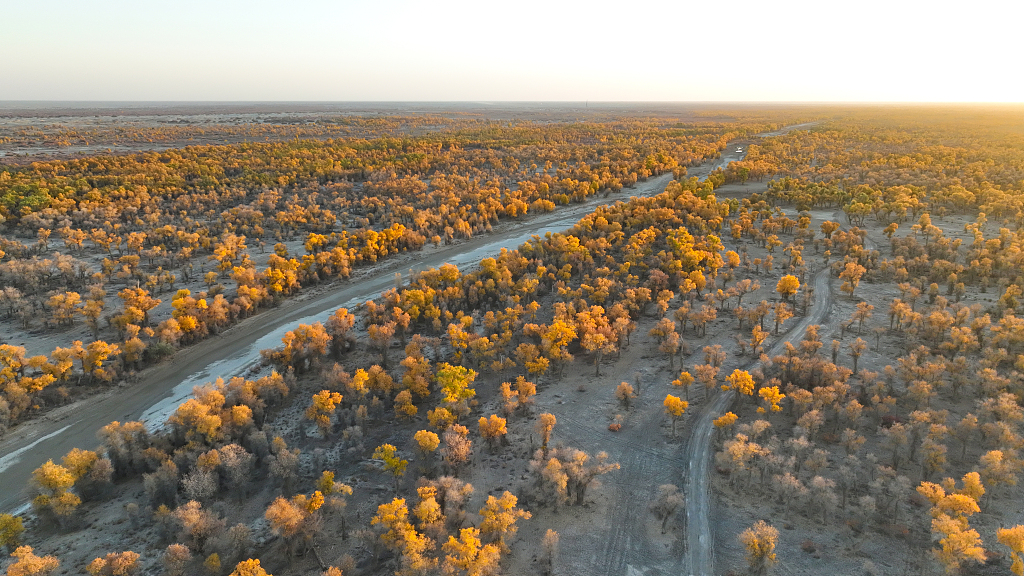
pixel 700 545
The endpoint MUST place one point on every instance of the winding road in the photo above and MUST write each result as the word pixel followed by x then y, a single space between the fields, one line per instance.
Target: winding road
pixel 700 556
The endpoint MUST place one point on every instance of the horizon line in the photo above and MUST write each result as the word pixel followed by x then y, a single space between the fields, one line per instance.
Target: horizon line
pixel 491 102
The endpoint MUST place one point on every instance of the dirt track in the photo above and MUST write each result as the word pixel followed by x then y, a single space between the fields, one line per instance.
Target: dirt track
pixel 700 556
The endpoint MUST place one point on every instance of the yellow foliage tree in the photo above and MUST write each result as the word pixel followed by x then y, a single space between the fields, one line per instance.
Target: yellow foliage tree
pixel 455 382
pixel 950 511
pixel 78 462
pixel 400 535
pixel 393 517
pixel 393 463
pixel 96 353
pixel 115 564
pixel 493 429
pixel 520 398
pixel 760 541
pixel 296 519
pixel 440 418
pixel 322 408
pixel 684 381
pixel 338 327
pixel 249 568
pixel 305 344
pixel 624 392
pixel 28 564
pixel 499 517
pixel 788 286
pixel 555 340
pixel 11 529
pixel 468 556
pixel 725 420
pixel 957 543
pixel 52 483
pixel 428 511
pixel 675 407
pixel 404 408
pixel 1013 538
pixel 741 381
pixel 426 441
pixel 213 565
pixel 545 424
pixel 851 276
pixel 196 421
pixel 771 396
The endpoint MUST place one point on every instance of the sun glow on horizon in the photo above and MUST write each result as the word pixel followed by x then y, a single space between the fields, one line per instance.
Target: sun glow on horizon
pixel 455 50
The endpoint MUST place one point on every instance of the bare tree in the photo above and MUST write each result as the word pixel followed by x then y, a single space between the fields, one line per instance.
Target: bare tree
pixel 237 465
pixel 162 486
pixel 176 559
pixel 665 505
pixel 549 552
pixel 199 485
pixel 457 447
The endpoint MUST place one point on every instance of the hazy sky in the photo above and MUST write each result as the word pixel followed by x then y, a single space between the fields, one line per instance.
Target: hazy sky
pixel 822 50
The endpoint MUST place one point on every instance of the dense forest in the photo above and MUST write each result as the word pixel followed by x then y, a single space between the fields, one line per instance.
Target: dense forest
pixel 480 420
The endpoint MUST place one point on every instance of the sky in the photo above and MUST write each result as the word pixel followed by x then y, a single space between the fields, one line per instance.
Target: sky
pixel 527 50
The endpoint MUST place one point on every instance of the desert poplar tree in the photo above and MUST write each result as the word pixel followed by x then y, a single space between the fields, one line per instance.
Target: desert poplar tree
pixel 760 541
pixel 28 564
pixel 115 564
pixel 624 392
pixel 545 424
pixel 499 517
pixel 1013 538
pixel 674 408
pixel 549 552
pixel 669 500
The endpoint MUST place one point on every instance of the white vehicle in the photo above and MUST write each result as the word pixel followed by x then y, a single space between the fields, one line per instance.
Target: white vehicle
pixel 739 150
